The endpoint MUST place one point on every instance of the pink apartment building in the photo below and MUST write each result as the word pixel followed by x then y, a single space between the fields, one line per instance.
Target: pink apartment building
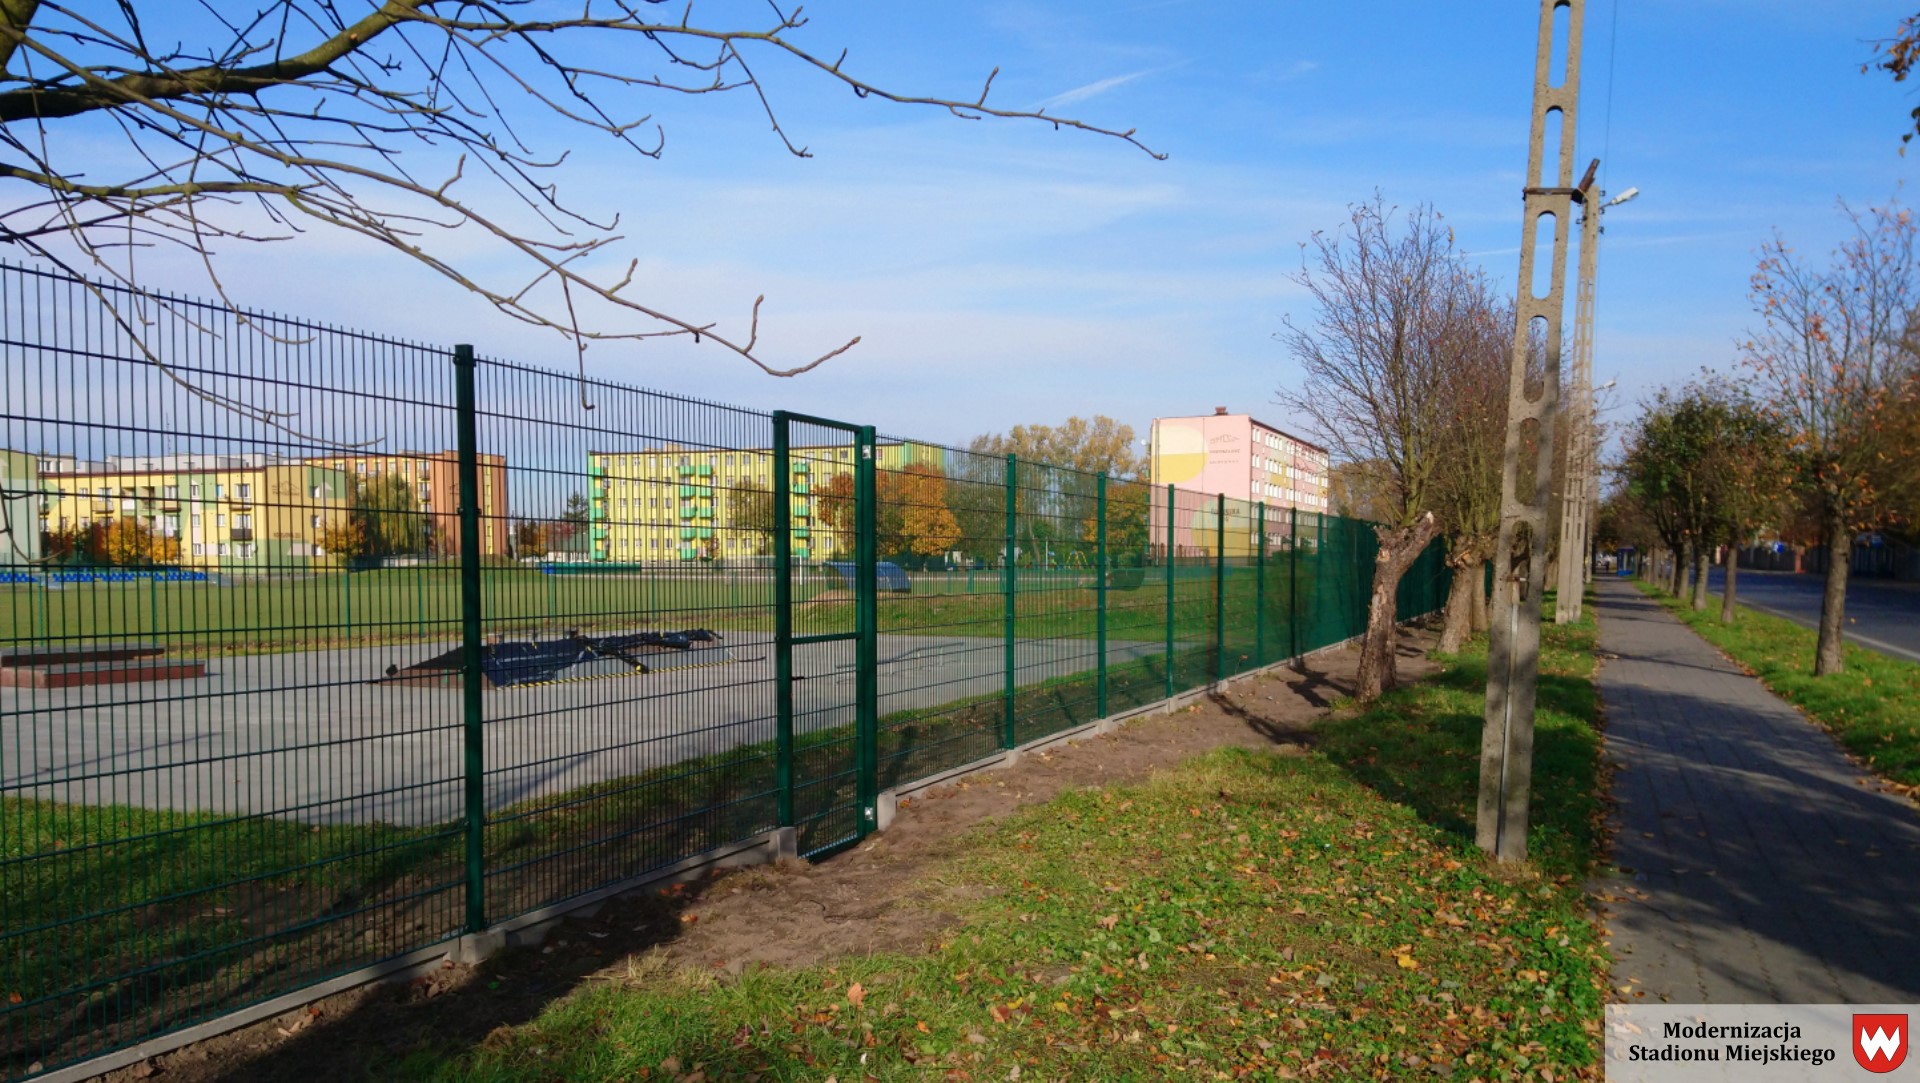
pixel 1247 461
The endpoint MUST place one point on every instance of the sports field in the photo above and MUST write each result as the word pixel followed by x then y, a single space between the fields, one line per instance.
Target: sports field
pixel 247 614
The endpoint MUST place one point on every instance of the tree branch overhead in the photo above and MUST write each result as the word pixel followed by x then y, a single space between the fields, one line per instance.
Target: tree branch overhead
pixel 331 113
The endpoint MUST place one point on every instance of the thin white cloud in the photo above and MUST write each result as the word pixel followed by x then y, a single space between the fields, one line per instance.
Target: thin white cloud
pixel 1096 88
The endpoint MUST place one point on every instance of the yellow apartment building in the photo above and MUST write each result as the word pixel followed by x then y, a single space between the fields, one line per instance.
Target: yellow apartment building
pixel 676 503
pixel 249 511
pixel 223 511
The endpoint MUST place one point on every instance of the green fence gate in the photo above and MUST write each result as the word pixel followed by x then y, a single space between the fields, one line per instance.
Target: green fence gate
pixel 825 648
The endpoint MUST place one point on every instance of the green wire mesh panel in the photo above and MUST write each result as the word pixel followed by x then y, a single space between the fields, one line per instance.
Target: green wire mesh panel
pixel 941 520
pixel 1136 598
pixel 628 712
pixel 217 536
pixel 1423 589
pixel 1276 567
pixel 1241 598
pixel 304 665
pixel 1192 620
pixel 1055 648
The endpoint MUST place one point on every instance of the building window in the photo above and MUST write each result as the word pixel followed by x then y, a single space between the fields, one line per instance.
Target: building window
pixel 220 520
pixel 316 522
pixel 223 549
pixel 199 550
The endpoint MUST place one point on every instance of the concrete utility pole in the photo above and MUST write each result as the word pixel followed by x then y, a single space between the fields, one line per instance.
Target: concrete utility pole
pixel 1513 655
pixel 1571 581
pixel 1580 491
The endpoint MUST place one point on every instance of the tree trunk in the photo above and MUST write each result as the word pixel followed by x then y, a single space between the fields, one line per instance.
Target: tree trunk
pixel 1457 623
pixel 1702 561
pixel 1398 549
pixel 1828 656
pixel 1482 609
pixel 1732 566
pixel 1683 572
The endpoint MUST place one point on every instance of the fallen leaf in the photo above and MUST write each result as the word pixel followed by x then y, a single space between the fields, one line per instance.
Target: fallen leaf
pixel 1109 921
pixel 856 994
pixel 1408 962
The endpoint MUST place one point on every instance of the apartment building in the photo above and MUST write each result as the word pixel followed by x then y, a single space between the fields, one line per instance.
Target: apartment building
pixel 683 504
pixel 222 511
pixel 237 511
pixel 1243 459
pixel 434 477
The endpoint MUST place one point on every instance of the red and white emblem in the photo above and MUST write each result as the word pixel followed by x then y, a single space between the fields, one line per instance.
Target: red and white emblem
pixel 1880 1041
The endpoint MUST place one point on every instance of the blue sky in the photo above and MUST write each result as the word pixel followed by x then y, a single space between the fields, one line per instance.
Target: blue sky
pixel 1002 272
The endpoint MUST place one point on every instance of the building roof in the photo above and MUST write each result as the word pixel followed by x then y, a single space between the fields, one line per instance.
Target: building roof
pixel 1296 438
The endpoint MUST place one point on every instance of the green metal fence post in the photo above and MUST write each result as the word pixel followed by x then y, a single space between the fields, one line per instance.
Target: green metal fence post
pixel 783 615
pixel 1219 587
pixel 346 596
pixel 1319 569
pixel 465 409
pixel 867 647
pixel 1169 565
pixel 1260 586
pixel 1100 586
pixel 1009 586
pixel 1293 582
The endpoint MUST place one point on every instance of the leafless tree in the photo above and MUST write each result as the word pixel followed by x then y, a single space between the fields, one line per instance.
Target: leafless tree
pixel 1467 495
pixel 1391 296
pixel 420 125
pixel 1835 355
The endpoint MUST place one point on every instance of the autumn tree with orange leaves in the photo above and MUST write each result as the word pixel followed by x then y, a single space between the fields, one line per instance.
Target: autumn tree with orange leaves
pixel 1835 356
pixel 913 517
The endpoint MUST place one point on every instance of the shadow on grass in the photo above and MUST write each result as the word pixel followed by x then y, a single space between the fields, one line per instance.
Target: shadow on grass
pixel 1419 746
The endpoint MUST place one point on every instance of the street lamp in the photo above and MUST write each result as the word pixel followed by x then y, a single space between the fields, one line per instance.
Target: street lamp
pixel 1581 487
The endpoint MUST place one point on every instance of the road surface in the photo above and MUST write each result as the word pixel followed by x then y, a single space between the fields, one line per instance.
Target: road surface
pixel 1881 615
pixel 306 736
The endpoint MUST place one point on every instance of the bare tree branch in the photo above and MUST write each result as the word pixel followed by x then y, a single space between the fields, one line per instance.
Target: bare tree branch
pixel 341 114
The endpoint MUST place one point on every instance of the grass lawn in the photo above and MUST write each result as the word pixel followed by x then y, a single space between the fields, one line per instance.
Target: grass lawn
pixel 1246 915
pixel 123 917
pixel 1873 707
pixel 249 615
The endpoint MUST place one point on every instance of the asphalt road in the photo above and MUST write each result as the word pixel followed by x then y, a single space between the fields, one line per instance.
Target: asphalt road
pixel 1881 615
pixel 305 736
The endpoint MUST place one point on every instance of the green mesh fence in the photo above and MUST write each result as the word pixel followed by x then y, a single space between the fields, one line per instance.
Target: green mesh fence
pixel 319 649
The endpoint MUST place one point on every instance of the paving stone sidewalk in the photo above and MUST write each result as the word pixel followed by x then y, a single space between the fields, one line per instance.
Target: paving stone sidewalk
pixel 1761 868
